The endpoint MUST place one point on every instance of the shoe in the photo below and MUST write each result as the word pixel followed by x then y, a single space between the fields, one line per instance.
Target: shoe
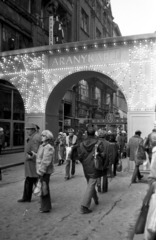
pixel 41 211
pixel 141 176
pixel 96 202
pixel 23 200
pixel 67 178
pixel 85 210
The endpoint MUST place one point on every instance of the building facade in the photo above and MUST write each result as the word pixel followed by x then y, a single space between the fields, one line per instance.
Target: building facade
pixel 25 24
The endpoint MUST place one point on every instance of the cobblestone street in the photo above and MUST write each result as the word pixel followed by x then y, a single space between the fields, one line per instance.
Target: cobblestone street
pixel 113 218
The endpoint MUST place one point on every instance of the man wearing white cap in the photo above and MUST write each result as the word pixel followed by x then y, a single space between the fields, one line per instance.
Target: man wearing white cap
pixel 33 143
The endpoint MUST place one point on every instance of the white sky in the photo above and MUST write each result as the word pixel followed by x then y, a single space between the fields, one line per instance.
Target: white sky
pixel 134 16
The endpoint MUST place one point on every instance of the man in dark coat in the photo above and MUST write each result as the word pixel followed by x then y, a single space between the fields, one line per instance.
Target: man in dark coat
pixel 150 142
pixel 106 156
pixel 33 143
pixel 86 152
pixel 132 149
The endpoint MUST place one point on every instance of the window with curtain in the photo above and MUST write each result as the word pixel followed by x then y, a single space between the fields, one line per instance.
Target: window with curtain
pixel 98 95
pixel 83 89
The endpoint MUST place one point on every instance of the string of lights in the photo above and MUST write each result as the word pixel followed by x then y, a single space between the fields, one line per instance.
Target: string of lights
pixel 130 64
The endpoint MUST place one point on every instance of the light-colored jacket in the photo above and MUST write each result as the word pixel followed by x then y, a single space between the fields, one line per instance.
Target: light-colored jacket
pixel 45 159
pixel 132 147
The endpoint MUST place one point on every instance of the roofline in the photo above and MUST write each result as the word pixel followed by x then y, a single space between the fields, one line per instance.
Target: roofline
pixel 72 45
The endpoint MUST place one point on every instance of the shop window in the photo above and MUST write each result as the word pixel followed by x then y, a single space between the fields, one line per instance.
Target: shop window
pixel 18 134
pixel 84 21
pixel 18 107
pixel 5 105
pixel 6 128
pixel 98 95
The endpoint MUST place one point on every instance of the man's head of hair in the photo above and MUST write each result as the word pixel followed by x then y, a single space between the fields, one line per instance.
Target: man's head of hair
pixel 90 131
pixel 138 132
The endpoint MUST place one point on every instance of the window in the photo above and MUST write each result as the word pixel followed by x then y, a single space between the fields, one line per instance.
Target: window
pixel 98 10
pixel 98 34
pixel 98 95
pixel 83 89
pixel 84 21
pixel 108 98
pixel 11 39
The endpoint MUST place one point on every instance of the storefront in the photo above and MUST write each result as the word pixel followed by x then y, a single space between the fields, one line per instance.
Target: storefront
pixel 12 117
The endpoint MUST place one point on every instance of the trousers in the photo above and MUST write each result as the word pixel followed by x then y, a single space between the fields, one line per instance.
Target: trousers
pixel 69 164
pixel 28 187
pixel 46 200
pixel 102 182
pixel 136 174
pixel 90 192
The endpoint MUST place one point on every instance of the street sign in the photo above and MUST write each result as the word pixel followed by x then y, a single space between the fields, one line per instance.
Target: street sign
pixel 51 23
pixel 67 122
pixel 109 117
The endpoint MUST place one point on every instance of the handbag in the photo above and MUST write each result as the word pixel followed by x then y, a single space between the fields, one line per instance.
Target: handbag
pixel 141 221
pixel 38 189
pixel 141 154
pixel 98 162
pixel 119 166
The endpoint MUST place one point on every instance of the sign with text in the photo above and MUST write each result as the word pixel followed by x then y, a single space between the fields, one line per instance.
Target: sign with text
pixel 67 122
pixel 51 23
pixel 91 58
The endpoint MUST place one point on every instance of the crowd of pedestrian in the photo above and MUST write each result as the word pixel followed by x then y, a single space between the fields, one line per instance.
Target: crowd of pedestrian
pixel 69 148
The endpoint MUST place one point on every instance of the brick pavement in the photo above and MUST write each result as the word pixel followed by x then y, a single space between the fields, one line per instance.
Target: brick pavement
pixel 113 218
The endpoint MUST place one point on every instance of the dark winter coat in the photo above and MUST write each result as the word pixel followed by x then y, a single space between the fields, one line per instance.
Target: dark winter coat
pixel 105 151
pixel 133 146
pixel 86 158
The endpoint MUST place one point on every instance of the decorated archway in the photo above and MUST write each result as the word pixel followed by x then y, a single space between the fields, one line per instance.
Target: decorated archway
pixel 44 72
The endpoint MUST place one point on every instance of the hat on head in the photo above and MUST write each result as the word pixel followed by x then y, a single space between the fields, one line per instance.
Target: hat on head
pixel 138 132
pixel 30 126
pixel 37 127
pixel 70 130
